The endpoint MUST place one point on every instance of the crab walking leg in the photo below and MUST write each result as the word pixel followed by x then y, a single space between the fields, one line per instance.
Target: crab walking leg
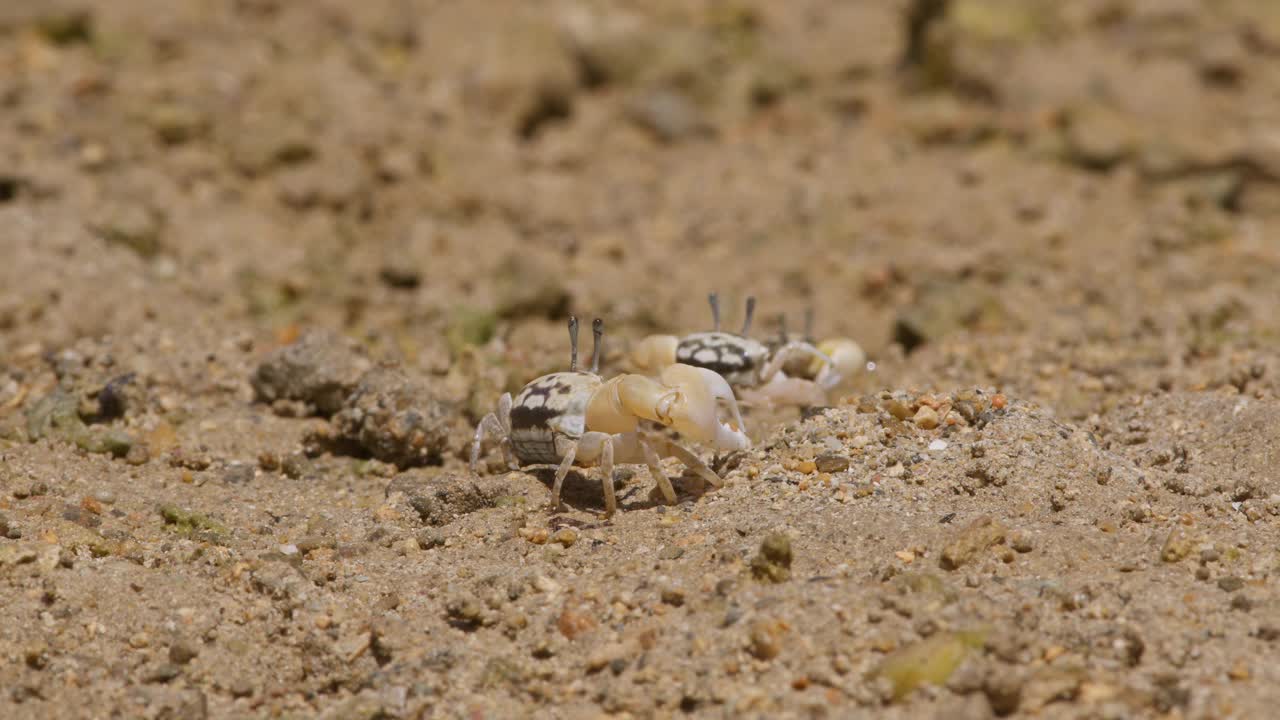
pixel 504 417
pixel 655 469
pixel 606 478
pixel 489 425
pixel 672 449
pixel 784 353
pixel 561 471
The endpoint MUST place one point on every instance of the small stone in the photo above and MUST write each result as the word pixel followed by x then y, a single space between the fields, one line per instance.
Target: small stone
pixel 765 639
pixel 670 552
pixel 930 661
pixel 566 536
pixel 465 612
pixel 573 622
pixel 537 536
pixel 1241 602
pixel 237 474
pixel 1230 583
pixel 606 657
pixel 1020 541
pixel 400 277
pixel 831 463
pixel 926 418
pixel 773 563
pixel 1240 671
pixel 897 409
pixel 162 673
pixel 140 640
pixel 350 648
pixel 1177 546
pixel 36 656
pixel 240 688
pixel 673 596
pixel 137 454
pixel 938 445
pixel 183 651
pixel 972 540
pixel 320 369
pixel 669 114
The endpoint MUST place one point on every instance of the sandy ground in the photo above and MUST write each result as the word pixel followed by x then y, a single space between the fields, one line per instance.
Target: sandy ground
pixel 266 264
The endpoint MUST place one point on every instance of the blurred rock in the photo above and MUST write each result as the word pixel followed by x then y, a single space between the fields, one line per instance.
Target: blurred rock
pixel 668 114
pixel 320 369
pixel 396 419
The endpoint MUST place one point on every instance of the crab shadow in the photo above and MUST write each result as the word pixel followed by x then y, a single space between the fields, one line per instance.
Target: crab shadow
pixel 583 491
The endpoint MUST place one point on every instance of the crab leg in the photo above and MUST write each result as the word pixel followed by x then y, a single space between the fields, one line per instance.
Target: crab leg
pixel 561 471
pixel 655 469
pixel 499 425
pixel 690 460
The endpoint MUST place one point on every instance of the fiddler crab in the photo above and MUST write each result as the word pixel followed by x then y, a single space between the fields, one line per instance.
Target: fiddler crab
pixel 782 371
pixel 578 418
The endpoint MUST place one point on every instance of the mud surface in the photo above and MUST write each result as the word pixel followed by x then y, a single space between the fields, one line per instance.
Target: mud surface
pixel 266 264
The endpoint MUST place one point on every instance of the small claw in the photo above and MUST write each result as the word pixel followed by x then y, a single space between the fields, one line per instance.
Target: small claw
pixel 655 352
pixel 846 358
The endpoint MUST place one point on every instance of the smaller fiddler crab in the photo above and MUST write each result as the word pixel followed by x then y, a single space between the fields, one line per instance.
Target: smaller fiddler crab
pixel 578 418
pixel 783 371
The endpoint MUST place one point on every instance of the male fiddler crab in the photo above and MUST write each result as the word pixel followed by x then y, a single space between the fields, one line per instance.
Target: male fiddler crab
pixel 578 418
pixel 783 371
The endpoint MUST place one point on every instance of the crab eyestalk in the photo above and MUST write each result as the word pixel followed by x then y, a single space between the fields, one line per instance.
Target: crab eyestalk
pixel 573 343
pixel 746 320
pixel 597 344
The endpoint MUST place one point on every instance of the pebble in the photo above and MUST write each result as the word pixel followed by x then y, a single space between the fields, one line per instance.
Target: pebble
pixel 938 445
pixel 1230 583
pixel 237 474
pixel 183 651
pixel 566 536
pixel 773 563
pixel 573 622
pixel 765 640
pixel 162 673
pixel 240 688
pixel 831 463
pixel 897 409
pixel 926 418
pixel 973 539
pixel 670 552
pixel 1177 546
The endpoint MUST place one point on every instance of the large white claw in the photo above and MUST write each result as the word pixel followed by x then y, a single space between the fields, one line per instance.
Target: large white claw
pixel 695 412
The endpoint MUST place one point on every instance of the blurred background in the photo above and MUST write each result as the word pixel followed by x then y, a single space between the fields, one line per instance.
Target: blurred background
pixel 1062 198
